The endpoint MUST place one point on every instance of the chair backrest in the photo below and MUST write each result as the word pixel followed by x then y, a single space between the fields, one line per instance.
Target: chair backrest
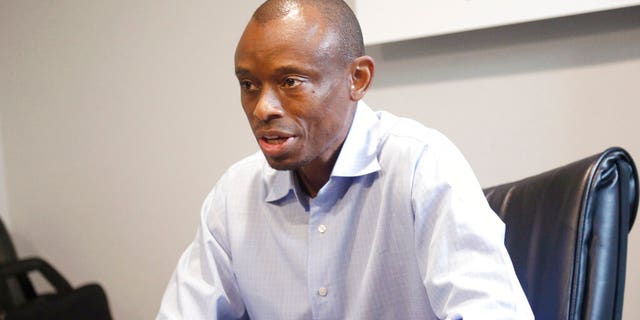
pixel 566 232
pixel 7 251
pixel 14 290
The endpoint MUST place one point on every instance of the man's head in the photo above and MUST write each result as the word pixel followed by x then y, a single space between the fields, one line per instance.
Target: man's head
pixel 301 70
pixel 336 12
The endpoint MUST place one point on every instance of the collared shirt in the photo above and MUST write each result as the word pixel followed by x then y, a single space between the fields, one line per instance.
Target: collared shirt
pixel 400 231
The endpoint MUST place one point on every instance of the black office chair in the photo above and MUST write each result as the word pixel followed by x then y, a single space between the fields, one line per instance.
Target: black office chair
pixel 19 300
pixel 566 232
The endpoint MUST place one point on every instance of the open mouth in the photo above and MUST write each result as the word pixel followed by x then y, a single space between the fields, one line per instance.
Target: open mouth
pixel 274 140
pixel 276 145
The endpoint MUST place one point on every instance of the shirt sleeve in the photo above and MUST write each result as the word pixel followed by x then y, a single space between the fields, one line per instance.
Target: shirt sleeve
pixel 203 284
pixel 465 267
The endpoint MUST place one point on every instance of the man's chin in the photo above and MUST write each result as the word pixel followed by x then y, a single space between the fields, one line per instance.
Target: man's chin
pixel 281 164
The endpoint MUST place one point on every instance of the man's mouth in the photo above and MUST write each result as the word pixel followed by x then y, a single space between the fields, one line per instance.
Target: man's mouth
pixel 276 144
pixel 274 140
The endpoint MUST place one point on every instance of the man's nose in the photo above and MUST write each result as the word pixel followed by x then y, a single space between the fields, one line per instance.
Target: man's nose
pixel 268 106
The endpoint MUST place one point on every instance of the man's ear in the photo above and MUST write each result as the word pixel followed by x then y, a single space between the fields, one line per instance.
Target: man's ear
pixel 362 69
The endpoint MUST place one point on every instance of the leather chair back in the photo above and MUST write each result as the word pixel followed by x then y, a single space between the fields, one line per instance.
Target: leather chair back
pixel 566 232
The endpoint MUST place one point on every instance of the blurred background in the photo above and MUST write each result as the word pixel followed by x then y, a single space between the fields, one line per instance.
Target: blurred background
pixel 117 118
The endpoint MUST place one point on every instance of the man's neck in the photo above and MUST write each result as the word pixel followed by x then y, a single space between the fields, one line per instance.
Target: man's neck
pixel 313 178
pixel 316 174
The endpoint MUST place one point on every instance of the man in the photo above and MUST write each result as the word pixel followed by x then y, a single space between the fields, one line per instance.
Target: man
pixel 345 213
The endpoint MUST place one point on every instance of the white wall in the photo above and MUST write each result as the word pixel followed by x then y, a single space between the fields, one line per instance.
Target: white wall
pixel 118 117
pixel 4 198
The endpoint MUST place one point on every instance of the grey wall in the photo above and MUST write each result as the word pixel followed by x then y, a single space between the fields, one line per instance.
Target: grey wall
pixel 523 99
pixel 117 118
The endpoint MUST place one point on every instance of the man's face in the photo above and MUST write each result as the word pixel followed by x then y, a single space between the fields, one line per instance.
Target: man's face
pixel 294 89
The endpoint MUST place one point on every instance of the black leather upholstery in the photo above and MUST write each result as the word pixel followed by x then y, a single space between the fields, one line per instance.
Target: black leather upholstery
pixel 566 232
pixel 19 300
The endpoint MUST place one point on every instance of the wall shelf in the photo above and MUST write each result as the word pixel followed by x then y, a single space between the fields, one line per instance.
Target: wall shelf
pixel 386 21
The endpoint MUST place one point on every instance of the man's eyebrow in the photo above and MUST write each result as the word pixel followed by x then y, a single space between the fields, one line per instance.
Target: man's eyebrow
pixel 305 70
pixel 289 69
pixel 242 71
pixel 285 69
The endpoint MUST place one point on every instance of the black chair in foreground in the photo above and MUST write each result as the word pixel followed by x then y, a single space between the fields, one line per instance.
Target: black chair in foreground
pixel 20 301
pixel 566 232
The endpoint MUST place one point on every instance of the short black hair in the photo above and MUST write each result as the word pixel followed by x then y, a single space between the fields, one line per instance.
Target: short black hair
pixel 336 13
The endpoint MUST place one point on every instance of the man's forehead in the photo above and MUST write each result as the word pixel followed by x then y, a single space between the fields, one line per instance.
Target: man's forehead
pixel 277 9
pixel 295 20
pixel 293 30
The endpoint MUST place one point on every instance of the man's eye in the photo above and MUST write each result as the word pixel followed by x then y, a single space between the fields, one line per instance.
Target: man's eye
pixel 290 82
pixel 247 85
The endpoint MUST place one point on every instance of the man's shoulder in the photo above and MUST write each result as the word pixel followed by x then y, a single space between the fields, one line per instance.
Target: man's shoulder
pixel 253 161
pixel 247 168
pixel 409 133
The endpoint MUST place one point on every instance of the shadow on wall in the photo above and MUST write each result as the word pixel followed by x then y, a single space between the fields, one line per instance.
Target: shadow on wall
pixel 473 54
pixel 23 245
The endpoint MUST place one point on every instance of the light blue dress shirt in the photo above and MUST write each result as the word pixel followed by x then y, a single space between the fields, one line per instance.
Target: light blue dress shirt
pixel 401 231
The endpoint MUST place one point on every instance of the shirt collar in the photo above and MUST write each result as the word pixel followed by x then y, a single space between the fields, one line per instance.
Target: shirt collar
pixel 357 157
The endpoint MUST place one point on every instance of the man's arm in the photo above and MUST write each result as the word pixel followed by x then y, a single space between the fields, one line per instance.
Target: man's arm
pixel 203 285
pixel 465 267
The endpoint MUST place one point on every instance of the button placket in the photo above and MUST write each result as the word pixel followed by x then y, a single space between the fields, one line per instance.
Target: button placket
pixel 320 261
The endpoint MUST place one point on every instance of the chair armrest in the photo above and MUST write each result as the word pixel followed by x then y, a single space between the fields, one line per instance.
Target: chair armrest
pixel 24 266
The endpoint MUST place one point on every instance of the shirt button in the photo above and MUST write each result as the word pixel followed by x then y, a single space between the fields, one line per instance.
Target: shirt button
pixel 322 292
pixel 322 228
